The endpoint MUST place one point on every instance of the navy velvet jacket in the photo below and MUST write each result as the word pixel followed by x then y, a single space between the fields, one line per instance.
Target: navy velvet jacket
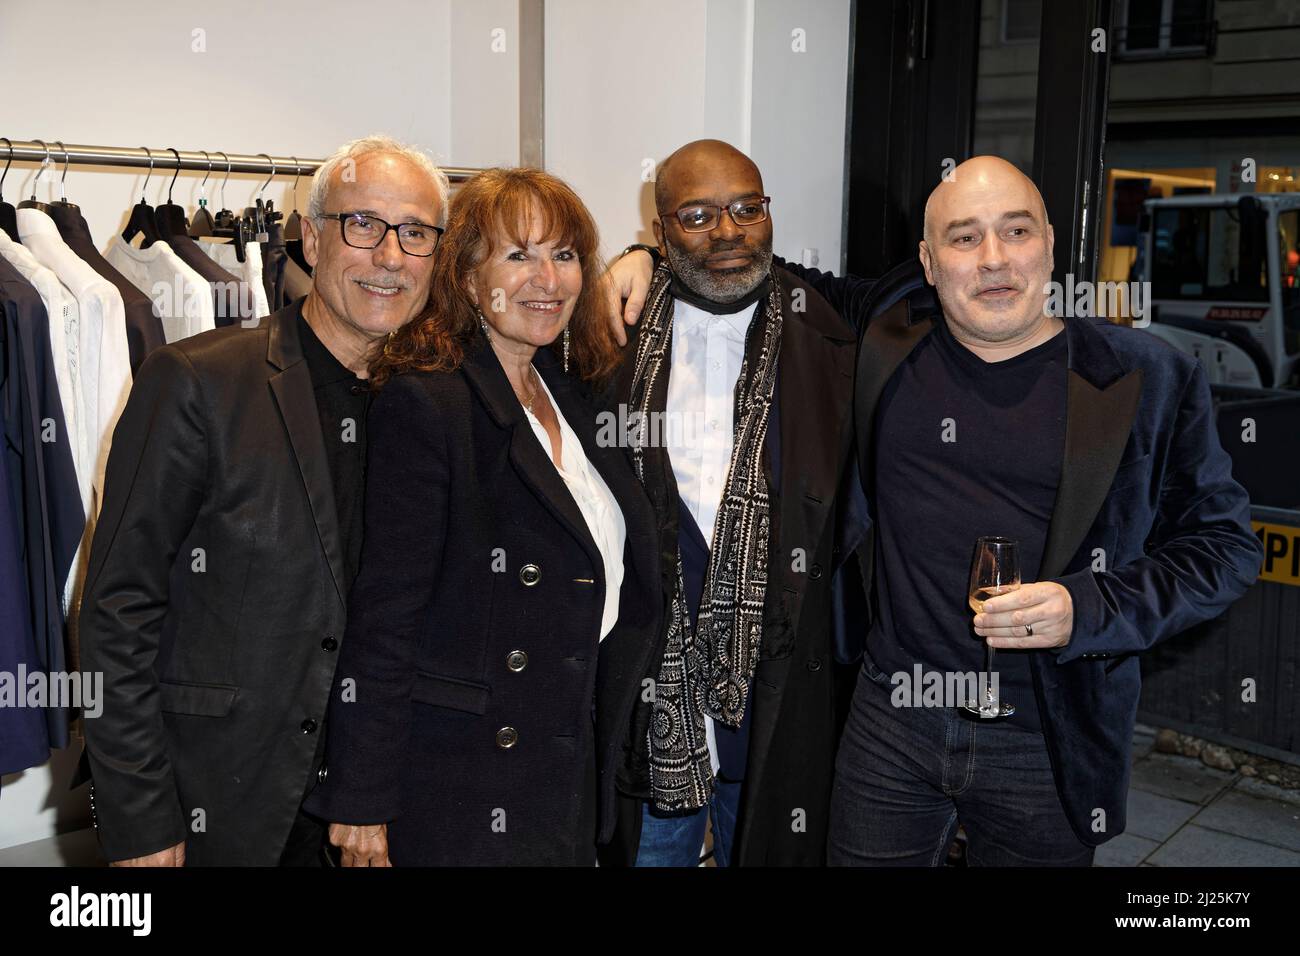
pixel 1146 493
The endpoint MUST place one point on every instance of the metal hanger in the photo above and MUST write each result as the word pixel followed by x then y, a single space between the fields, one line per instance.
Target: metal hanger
pixel 227 224
pixel 293 225
pixel 202 224
pixel 63 192
pixel 142 221
pixel 169 217
pixel 261 211
pixel 8 215
pixel 33 203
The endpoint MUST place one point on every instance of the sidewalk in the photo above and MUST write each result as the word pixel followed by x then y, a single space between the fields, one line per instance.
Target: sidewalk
pixel 1183 813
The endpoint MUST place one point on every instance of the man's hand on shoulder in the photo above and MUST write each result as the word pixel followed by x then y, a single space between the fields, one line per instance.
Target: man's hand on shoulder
pixel 627 283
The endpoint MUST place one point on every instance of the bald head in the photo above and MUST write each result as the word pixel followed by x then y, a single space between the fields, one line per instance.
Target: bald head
pixel 988 252
pixel 981 178
pixel 698 184
pixel 686 164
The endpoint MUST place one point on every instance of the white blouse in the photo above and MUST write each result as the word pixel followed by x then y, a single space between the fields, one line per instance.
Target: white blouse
pixel 596 502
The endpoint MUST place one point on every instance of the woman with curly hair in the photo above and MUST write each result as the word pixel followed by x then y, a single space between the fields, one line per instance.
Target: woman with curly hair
pixel 509 596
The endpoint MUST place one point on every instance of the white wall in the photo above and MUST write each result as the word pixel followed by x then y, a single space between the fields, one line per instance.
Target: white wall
pixel 626 83
pixel 484 78
pixel 287 78
pixel 629 82
pixel 800 88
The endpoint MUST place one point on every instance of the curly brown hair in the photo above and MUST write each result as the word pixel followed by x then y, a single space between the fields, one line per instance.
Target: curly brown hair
pixel 491 209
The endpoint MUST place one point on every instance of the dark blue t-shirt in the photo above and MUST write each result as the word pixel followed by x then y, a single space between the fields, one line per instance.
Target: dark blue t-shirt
pixel 964 448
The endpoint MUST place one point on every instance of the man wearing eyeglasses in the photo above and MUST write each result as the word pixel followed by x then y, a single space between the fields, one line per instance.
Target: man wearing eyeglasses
pixel 230 534
pixel 751 373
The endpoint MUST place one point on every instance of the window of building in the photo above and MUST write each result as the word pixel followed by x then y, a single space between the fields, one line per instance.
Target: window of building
pixel 1022 21
pixel 1150 28
pixel 1202 252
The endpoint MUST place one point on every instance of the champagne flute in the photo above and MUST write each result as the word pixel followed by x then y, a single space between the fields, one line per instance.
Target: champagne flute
pixel 994 570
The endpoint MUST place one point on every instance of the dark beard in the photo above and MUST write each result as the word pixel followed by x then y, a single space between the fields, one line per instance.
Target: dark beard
pixel 729 286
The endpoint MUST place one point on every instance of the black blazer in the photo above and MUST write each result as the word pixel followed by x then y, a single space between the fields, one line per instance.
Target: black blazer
pixel 214 600
pixel 464 713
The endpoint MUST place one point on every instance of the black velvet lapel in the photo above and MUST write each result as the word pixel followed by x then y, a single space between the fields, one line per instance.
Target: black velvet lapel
pixel 1101 403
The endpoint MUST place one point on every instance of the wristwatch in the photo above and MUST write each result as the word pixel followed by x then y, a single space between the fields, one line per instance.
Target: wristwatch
pixel 654 252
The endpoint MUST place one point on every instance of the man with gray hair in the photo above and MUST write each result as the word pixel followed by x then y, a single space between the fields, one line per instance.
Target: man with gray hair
pixel 230 534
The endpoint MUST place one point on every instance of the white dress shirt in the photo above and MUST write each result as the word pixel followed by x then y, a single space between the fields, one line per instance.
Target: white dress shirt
pixel 708 351
pixel 181 297
pixel 599 508
pixel 249 273
pixel 103 369
pixel 105 362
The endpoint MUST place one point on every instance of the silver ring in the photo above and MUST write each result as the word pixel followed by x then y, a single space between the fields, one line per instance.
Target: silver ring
pixel 1029 630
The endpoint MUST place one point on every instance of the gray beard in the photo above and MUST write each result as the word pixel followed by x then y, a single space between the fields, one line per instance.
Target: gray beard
pixel 710 285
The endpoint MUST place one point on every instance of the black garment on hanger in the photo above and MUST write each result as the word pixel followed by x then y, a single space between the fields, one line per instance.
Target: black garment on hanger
pixel 297 282
pixel 169 219
pixel 40 472
pixel 224 285
pixel 294 248
pixel 9 220
pixel 274 257
pixel 141 223
pixel 144 328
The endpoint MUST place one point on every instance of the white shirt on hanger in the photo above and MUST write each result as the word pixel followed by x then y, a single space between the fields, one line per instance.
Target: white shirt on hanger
pixel 105 362
pixel 181 297
pixel 249 272
pixel 708 351
pixel 599 508
pixel 104 373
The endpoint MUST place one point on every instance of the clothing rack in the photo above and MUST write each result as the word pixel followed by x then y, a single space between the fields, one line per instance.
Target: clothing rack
pixel 164 160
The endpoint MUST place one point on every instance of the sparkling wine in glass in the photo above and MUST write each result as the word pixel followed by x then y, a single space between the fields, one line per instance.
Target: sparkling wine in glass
pixel 994 570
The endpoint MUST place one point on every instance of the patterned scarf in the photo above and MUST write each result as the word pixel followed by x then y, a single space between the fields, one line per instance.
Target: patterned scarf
pixel 707 668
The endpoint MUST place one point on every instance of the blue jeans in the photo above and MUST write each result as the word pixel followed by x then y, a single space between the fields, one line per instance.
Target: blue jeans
pixel 676 840
pixel 906 776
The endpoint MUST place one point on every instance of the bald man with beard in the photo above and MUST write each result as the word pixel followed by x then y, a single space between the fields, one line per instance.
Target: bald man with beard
pixel 1092 445
pixel 750 372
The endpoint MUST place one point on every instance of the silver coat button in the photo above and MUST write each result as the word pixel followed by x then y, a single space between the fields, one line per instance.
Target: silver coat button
pixel 516 661
pixel 507 737
pixel 529 575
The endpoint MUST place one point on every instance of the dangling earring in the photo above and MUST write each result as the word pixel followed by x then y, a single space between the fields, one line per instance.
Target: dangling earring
pixel 566 350
pixel 482 321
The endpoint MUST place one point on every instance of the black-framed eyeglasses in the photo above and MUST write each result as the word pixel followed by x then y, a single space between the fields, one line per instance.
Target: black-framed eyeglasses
pixel 362 231
pixel 703 217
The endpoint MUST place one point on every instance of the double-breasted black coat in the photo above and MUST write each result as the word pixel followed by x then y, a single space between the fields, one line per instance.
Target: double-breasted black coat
pixel 476 712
